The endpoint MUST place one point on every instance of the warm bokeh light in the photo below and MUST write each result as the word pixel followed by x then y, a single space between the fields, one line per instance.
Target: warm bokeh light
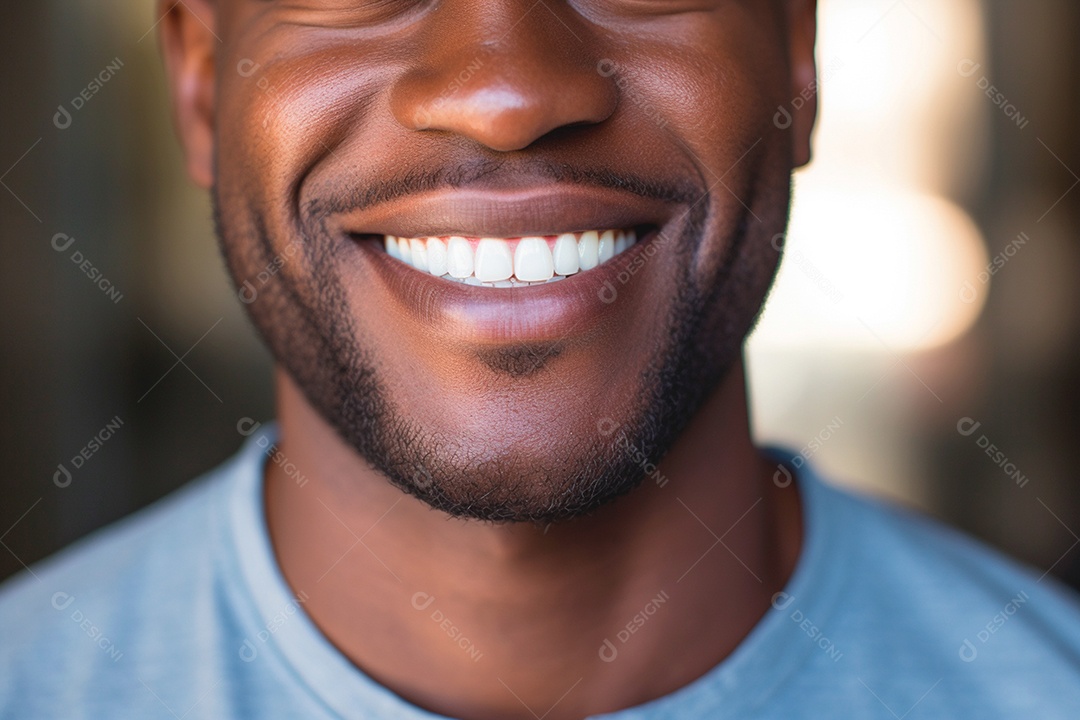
pixel 874 269
pixel 877 255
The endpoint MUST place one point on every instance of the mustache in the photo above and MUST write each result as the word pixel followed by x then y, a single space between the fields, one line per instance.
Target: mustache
pixel 487 171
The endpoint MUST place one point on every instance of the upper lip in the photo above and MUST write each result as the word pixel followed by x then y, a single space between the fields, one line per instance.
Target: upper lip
pixel 546 209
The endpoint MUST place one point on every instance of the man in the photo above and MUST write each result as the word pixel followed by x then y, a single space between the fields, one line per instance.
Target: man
pixel 505 254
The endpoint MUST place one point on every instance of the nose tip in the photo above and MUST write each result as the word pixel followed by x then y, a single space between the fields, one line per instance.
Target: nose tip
pixel 505 93
pixel 507 114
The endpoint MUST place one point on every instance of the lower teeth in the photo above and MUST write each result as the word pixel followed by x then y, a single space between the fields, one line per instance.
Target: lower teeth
pixel 511 283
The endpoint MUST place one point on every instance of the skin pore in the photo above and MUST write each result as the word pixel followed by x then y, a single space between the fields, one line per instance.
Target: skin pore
pixel 564 459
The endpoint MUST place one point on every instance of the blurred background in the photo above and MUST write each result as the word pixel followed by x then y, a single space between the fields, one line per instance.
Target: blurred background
pixel 921 342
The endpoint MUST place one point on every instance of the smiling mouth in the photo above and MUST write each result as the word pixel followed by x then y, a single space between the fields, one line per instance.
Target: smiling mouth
pixel 512 262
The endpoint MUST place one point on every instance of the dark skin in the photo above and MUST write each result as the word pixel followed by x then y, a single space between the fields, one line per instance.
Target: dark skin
pixel 523 425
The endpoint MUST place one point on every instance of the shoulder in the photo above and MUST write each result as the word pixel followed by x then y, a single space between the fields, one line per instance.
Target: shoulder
pixel 908 555
pixel 924 608
pixel 147 545
pixel 100 616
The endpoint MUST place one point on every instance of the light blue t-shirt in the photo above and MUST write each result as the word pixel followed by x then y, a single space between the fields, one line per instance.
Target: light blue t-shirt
pixel 180 611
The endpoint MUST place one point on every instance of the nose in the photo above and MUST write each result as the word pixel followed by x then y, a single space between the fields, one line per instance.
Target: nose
pixel 503 73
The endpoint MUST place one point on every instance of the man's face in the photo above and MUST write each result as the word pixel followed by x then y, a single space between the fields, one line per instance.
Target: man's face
pixel 325 125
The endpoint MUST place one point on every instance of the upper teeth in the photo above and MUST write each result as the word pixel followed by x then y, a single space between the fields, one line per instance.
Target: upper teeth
pixel 509 262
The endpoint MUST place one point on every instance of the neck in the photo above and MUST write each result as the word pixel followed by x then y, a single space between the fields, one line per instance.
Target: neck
pixel 522 621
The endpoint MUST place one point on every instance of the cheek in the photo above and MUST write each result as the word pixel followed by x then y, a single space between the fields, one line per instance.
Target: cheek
pixel 713 94
pixel 285 104
pixel 710 81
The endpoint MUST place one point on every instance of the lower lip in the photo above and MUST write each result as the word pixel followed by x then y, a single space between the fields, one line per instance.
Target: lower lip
pixel 555 311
